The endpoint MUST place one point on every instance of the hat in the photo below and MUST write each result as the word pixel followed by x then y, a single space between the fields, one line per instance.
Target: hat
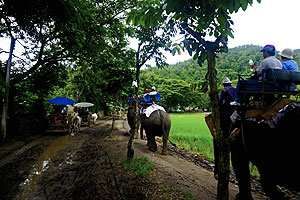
pixel 288 53
pixel 226 80
pixel 153 88
pixel 251 62
pixel 268 47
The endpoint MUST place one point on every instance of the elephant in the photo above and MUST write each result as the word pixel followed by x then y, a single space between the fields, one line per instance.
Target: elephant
pixel 130 115
pixel 273 150
pixel 157 124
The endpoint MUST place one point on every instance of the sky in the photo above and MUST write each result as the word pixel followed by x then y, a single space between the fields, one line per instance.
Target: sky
pixel 269 22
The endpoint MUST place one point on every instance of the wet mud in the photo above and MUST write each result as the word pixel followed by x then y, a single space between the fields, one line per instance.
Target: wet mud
pixel 88 166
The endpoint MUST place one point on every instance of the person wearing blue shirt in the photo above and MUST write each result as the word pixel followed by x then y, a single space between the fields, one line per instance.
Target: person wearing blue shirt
pixel 287 62
pixel 286 56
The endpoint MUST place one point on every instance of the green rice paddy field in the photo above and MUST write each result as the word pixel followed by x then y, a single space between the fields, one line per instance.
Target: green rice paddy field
pixel 190 131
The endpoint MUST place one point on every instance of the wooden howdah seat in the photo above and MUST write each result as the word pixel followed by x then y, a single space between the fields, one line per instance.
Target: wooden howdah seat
pixel 275 83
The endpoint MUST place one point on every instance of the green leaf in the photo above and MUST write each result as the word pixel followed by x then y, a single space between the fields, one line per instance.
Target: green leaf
pixel 244 4
pixel 236 5
pixel 221 20
pixel 173 51
pixel 230 6
pixel 190 51
pixel 195 57
pixel 171 4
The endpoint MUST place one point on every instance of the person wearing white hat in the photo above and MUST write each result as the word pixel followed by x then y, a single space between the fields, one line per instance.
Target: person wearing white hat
pixel 153 92
pixel 286 56
pixel 228 93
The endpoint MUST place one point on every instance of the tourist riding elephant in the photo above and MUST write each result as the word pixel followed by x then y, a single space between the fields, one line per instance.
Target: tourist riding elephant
pixel 157 124
pixel 273 146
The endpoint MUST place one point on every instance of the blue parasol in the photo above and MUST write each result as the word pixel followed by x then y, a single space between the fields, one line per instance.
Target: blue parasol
pixel 62 101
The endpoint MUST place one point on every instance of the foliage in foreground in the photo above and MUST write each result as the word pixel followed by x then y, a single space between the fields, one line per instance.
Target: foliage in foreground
pixel 139 165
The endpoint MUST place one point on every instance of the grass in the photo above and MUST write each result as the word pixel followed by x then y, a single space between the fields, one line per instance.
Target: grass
pixel 189 130
pixel 139 165
pixel 189 196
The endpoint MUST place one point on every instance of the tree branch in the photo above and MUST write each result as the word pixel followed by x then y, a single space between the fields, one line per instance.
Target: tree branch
pixel 194 34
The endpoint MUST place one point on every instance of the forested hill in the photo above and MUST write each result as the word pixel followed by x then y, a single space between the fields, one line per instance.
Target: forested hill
pixel 230 64
pixel 176 80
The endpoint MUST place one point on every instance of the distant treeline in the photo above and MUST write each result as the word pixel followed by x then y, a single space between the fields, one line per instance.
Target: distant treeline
pixel 181 84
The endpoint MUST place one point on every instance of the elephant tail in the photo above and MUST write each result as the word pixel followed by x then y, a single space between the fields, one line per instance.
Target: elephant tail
pixel 163 127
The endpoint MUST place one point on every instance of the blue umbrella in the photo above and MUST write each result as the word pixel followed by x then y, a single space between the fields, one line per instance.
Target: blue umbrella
pixel 62 101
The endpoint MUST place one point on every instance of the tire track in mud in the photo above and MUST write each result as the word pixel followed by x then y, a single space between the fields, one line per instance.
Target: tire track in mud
pixel 81 170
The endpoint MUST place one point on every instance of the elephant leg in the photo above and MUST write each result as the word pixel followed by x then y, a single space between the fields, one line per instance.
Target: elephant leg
pixel 148 138
pixel 165 144
pixel 141 132
pixel 240 165
pixel 270 188
pixel 152 144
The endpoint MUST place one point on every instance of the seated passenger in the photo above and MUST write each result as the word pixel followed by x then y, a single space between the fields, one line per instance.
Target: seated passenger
pixel 227 95
pixel 146 92
pixel 269 61
pixel 153 92
pixel 286 56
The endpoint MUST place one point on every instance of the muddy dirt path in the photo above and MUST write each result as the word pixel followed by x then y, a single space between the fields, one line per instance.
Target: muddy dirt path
pixel 88 166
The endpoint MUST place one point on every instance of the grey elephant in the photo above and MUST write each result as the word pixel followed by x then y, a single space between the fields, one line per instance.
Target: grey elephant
pixel 157 124
pixel 130 116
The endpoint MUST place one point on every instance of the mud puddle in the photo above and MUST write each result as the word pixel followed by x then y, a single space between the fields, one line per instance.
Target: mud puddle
pixel 42 164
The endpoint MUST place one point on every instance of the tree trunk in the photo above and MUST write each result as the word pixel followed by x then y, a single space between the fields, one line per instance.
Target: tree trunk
pixel 223 192
pixel 130 151
pixel 6 95
pixel 113 120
